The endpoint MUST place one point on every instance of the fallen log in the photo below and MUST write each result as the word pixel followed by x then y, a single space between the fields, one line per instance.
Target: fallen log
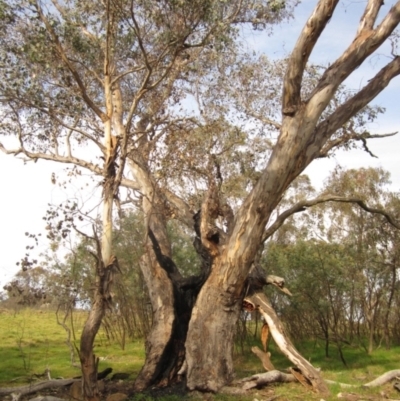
pixel 54 383
pixel 33 388
pixel 361 397
pixel 263 379
pixel 386 377
pixel 379 381
pixel 276 376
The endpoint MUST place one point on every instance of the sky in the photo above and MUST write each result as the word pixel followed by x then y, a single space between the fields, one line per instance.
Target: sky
pixel 27 189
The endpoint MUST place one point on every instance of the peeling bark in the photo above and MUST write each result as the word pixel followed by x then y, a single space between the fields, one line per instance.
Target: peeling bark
pixel 260 302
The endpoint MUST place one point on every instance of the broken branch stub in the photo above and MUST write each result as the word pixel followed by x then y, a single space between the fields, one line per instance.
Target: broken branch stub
pixel 259 301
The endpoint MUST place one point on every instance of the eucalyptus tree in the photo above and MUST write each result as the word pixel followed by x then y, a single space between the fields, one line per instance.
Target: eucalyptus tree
pixel 371 244
pixel 123 72
pixel 80 83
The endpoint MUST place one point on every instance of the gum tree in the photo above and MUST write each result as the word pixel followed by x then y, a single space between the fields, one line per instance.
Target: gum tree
pixel 81 82
pixel 121 73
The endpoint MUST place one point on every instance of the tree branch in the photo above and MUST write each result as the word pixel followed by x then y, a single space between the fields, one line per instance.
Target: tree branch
pixel 303 205
pixel 365 43
pixel 354 136
pixel 301 53
pixel 370 14
pixel 360 100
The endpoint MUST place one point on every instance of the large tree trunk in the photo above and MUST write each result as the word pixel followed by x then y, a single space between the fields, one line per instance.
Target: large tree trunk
pixel 172 296
pixel 302 139
pixel 210 340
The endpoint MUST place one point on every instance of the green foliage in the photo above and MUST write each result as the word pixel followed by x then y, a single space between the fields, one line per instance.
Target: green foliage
pixel 183 252
pixel 340 263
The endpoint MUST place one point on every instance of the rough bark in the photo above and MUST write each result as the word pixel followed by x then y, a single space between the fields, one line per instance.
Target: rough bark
pixel 172 296
pixel 209 343
pixel 89 362
pixel 158 282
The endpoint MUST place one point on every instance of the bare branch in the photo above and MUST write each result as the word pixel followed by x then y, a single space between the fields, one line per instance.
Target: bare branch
pixel 263 119
pixel 303 205
pixel 370 14
pixel 301 52
pixel 365 43
pixel 360 100
pixel 353 136
pixel 139 37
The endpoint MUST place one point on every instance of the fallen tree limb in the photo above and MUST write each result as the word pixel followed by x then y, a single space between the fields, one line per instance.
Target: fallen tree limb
pixel 379 381
pixel 264 357
pixel 386 377
pixel 276 376
pixel 263 379
pixel 258 301
pixel 32 388
pixel 363 397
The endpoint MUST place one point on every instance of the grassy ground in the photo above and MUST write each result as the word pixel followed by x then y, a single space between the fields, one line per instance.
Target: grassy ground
pixel 32 341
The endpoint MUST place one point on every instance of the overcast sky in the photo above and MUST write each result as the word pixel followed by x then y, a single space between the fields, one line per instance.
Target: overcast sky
pixel 27 189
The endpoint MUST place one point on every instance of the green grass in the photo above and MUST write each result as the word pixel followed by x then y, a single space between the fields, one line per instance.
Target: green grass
pixel 361 368
pixel 31 341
